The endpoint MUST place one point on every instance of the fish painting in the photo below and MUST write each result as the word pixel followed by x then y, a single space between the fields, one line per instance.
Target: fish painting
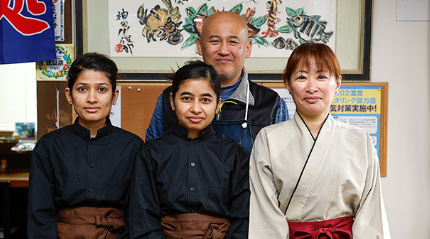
pixel 311 26
pixel 271 24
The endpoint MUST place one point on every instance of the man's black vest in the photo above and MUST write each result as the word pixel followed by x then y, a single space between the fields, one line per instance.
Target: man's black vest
pixel 261 114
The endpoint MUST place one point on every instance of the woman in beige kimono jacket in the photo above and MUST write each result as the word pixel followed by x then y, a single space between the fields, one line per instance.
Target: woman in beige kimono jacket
pixel 312 176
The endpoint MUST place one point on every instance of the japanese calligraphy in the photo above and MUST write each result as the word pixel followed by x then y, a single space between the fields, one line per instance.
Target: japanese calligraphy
pixel 125 42
pixel 353 108
pixel 25 25
pixel 355 101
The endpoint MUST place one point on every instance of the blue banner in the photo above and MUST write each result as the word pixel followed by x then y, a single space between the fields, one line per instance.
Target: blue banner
pixel 26 31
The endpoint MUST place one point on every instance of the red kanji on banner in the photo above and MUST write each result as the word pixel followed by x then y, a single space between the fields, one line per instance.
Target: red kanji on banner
pixel 24 25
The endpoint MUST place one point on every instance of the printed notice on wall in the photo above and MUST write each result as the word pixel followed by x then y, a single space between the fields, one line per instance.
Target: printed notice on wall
pixel 360 106
pixel 58 68
pixel 355 105
pixel 58 10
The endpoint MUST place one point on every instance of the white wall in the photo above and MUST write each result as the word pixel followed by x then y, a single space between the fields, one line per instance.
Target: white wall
pixel 400 56
pixel 17 95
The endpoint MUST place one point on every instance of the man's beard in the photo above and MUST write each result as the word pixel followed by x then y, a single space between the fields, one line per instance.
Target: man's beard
pixel 227 75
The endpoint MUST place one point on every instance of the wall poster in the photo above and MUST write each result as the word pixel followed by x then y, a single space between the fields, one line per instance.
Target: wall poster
pixel 58 68
pixel 58 9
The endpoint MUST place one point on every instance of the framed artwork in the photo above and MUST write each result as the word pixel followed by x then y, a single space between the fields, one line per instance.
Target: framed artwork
pixel 149 38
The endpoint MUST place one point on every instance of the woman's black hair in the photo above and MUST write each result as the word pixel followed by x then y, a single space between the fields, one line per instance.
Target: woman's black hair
pixel 196 70
pixel 96 62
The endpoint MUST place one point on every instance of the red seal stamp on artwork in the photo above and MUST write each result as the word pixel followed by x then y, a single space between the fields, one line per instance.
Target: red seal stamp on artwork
pixel 119 48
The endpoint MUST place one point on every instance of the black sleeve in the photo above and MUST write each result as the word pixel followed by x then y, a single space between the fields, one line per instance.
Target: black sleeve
pixel 42 215
pixel 126 207
pixel 239 199
pixel 144 211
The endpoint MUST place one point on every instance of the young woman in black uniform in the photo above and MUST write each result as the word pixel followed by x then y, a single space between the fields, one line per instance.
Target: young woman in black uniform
pixel 80 174
pixel 193 182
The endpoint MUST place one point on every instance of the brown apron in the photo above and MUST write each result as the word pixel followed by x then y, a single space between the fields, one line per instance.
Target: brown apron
pixel 90 222
pixel 194 226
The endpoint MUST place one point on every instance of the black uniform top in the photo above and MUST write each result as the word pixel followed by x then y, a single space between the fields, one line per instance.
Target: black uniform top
pixel 70 169
pixel 178 175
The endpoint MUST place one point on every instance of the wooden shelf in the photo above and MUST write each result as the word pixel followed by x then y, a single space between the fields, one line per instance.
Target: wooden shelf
pixel 17 179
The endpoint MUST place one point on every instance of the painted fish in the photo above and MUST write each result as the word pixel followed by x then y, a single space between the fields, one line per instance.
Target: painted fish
pixel 311 26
